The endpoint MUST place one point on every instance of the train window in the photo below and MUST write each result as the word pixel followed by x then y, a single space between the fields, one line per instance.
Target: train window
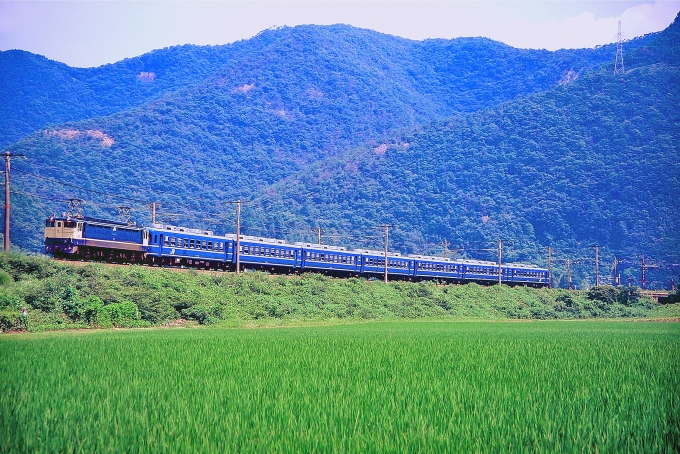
pixel 191 243
pixel 167 241
pixel 172 241
pixel 58 224
pixel 49 223
pixel 210 245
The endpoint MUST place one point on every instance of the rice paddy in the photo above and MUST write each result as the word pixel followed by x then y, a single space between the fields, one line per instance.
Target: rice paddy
pixel 381 386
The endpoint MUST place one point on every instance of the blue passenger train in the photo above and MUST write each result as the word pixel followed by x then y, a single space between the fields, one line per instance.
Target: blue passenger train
pixel 168 245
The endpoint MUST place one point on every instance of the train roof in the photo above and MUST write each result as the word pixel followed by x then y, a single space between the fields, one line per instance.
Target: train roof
pixel 373 252
pixel 174 228
pixel 258 239
pixel 524 265
pixel 321 247
pixel 430 258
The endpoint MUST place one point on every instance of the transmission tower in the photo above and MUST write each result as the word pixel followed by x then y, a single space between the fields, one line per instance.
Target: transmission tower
pixel 618 64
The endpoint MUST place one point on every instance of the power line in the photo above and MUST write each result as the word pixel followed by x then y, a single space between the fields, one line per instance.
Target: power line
pixel 51 180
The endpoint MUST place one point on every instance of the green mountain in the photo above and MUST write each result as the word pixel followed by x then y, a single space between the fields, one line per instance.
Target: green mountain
pixel 591 162
pixel 465 140
pixel 440 77
pixel 37 92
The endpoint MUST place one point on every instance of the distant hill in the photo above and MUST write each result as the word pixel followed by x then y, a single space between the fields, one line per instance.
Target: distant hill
pixel 286 118
pixel 37 92
pixel 593 162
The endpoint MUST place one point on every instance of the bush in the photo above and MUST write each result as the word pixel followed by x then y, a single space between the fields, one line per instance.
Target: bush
pixel 200 313
pixel 11 319
pixel 5 278
pixel 10 301
pixel 122 315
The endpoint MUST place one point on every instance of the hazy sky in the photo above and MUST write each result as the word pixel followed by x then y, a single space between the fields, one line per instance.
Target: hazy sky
pixel 92 33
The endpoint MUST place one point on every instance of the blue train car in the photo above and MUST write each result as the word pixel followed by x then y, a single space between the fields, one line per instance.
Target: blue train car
pixel 331 260
pixel 523 274
pixel 427 267
pixel 180 246
pixel 479 271
pixel 268 254
pixel 373 264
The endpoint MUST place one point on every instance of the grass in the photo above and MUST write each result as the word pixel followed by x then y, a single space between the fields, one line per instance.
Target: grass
pixel 375 386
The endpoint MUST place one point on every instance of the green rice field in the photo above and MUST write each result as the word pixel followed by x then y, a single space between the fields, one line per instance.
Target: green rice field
pixel 428 386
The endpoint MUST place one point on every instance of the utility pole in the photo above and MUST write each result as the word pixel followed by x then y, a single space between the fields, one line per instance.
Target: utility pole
pixel 318 234
pixel 568 274
pixel 597 264
pixel 500 255
pixel 615 266
pixel 387 235
pixel 550 267
pixel 7 166
pixel 154 205
pixel 446 248
pixel 237 250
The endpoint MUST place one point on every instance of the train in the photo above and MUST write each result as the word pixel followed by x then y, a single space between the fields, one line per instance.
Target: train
pixel 84 238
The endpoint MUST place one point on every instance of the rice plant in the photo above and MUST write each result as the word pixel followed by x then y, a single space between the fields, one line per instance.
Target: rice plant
pixel 377 386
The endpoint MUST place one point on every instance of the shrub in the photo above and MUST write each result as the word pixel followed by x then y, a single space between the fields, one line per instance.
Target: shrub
pixel 200 313
pixel 603 296
pixel 10 301
pixel 11 319
pixel 5 278
pixel 123 315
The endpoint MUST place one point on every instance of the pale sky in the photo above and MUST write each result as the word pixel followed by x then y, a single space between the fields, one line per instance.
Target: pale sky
pixel 95 32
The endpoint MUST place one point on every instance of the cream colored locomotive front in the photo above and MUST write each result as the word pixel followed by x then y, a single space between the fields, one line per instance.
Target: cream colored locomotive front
pixel 59 228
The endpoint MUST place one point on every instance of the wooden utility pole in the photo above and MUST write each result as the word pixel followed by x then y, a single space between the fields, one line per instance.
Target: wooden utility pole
pixel 7 156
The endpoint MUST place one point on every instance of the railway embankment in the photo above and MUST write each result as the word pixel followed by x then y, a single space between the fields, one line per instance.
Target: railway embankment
pixel 65 295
